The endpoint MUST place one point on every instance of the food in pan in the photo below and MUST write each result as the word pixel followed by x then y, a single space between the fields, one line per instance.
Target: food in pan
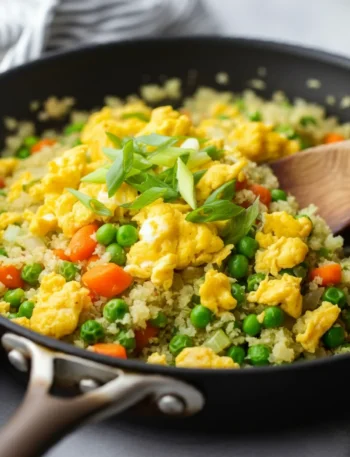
pixel 161 234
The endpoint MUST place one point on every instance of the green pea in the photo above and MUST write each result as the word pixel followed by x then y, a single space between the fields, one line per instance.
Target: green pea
pixel 238 292
pixel 178 343
pixel 278 194
pixel 335 296
pixel 31 273
pixel 3 193
pixel 74 128
pixel 117 253
pixel 334 337
pixel 68 270
pixel 237 266
pixel 259 355
pixel 26 309
pixel 14 297
pixel 255 117
pixel 213 152
pixel 23 153
pixel 106 234
pixel 30 141
pixel 287 131
pixel 12 315
pixel 115 309
pixel 254 280
pixel 159 321
pixel 304 142
pixel 237 354
pixel 273 317
pixel 323 253
pixel 92 332
pixel 251 325
pixel 127 235
pixel 307 120
pixel 201 316
pixel 3 252
pixel 247 246
pixel 129 342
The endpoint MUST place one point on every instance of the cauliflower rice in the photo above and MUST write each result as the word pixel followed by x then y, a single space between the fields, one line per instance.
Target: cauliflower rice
pixel 162 234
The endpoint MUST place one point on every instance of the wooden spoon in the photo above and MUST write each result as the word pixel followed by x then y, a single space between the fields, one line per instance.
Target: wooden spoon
pixel 320 175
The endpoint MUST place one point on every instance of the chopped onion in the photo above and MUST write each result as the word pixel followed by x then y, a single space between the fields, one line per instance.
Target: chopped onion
pixel 218 341
pixel 312 299
pixel 11 233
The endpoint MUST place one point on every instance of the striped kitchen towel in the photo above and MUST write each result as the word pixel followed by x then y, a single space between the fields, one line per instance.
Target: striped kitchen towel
pixel 28 28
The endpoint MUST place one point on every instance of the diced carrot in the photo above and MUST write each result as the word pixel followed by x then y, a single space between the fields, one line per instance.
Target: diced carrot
pixel 60 254
pixel 2 182
pixel 330 274
pixel 262 192
pixel 110 349
pixel 92 259
pixel 93 296
pixel 10 276
pixel 107 280
pixel 81 245
pixel 333 138
pixel 143 336
pixel 41 144
pixel 241 185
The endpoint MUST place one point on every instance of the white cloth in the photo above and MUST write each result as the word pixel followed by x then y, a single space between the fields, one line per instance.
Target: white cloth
pixel 28 28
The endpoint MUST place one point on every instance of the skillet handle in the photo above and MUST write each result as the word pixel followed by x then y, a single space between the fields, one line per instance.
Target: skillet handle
pixel 43 418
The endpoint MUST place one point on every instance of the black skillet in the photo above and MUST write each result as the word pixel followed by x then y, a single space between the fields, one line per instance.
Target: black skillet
pixel 252 396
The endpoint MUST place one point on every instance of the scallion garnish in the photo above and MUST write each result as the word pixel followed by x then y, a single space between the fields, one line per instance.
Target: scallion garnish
pixel 91 203
pixel 140 116
pixel 186 184
pixel 225 192
pixel 220 210
pixel 240 225
pixel 150 196
pixel 120 168
pixel 115 139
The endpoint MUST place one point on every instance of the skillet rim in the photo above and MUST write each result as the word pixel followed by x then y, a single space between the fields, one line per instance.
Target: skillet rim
pixel 137 365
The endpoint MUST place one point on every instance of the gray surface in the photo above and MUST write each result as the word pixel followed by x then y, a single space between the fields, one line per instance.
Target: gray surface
pixel 121 438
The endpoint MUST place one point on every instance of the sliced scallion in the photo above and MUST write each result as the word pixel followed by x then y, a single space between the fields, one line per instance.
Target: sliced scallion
pixel 140 116
pixel 220 210
pixel 115 139
pixel 186 184
pixel 120 168
pixel 91 203
pixel 150 196
pixel 240 225
pixel 224 192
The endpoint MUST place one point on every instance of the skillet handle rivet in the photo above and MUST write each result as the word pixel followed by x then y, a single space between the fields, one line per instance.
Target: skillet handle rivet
pixel 18 360
pixel 87 385
pixel 171 405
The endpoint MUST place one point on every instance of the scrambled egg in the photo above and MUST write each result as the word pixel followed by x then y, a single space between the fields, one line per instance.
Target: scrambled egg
pixel 281 242
pixel 67 213
pixel 94 132
pixel 156 358
pixel 168 242
pixel 259 143
pixel 23 321
pixel 281 223
pixel 284 253
pixel 202 357
pixel 9 218
pixel 16 187
pixel 64 171
pixel 215 292
pixel 4 307
pixel 217 175
pixel 284 292
pixel 313 324
pixel 7 166
pixel 166 121
pixel 58 306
